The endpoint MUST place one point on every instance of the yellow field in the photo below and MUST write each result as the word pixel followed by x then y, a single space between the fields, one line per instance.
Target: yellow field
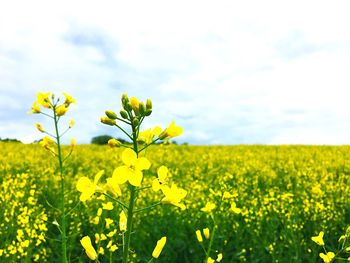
pixel 279 197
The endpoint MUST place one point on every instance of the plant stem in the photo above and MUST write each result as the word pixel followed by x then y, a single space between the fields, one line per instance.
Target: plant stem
pixel 131 205
pixel 63 215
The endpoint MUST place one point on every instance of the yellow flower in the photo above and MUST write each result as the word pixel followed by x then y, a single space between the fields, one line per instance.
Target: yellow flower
pixel 35 108
pixel 161 180
pixel 88 188
pixel 43 99
pixel 47 143
pixel 206 233
pixel 113 186
pixel 61 110
pixel 318 239
pixel 327 258
pixel 209 207
pixel 227 195
pixel 171 131
pixel 71 123
pixel 174 195
pixel 199 236
pixel 39 127
pixel 108 222
pixel 210 260
pixel 69 99
pixel 219 258
pixel 159 247
pixel 122 221
pixel 235 209
pixel 148 135
pixel 108 206
pixel 89 249
pixel 132 170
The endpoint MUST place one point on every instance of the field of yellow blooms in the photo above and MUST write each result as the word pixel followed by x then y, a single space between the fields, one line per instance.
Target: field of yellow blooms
pixel 247 203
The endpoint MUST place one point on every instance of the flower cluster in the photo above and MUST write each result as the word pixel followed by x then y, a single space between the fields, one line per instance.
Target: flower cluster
pixel 131 172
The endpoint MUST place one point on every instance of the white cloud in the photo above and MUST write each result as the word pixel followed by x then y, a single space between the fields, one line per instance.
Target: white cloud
pixel 229 72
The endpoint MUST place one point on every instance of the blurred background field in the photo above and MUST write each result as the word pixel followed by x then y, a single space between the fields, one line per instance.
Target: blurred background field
pixel 283 196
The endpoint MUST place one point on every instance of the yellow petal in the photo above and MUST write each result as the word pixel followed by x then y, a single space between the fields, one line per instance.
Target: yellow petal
pixel 129 157
pixel 89 249
pixel 121 174
pixel 159 247
pixel 83 183
pixel 98 176
pixel 135 178
pixel 142 164
pixel 155 185
pixel 162 173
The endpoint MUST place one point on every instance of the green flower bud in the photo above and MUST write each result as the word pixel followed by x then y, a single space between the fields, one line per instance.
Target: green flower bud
pixel 111 114
pixel 149 104
pixel 148 112
pixel 135 122
pixel 108 121
pixel 124 114
pixel 142 108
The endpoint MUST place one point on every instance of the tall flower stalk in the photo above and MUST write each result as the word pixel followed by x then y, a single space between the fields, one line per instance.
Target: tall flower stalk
pixel 56 111
pixel 133 115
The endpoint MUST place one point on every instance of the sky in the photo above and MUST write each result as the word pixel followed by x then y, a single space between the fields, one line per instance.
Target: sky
pixel 228 72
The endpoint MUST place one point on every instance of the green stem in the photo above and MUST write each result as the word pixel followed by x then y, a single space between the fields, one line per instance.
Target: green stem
pixel 63 215
pixel 131 205
pixel 148 207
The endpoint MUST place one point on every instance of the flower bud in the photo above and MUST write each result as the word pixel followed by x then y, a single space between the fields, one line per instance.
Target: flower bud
pixel 199 236
pixel 125 98
pixel 149 104
pixel 135 122
pixel 206 233
pixel 148 112
pixel 142 108
pixel 114 143
pixel 39 127
pixel 61 110
pixel 124 114
pixel 111 114
pixel 108 121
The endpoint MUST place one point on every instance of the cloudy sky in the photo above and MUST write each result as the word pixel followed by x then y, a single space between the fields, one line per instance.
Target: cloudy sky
pixel 229 72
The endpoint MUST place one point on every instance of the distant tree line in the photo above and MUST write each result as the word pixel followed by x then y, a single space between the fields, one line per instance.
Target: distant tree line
pixel 9 140
pixel 103 139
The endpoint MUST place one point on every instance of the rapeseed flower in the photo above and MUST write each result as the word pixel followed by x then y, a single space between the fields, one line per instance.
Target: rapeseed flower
pixel 161 180
pixel 148 135
pixel 44 100
pixel 88 188
pixel 327 258
pixel 35 108
pixel 61 110
pixel 89 249
pixel 132 170
pixel 113 186
pixel 171 131
pixel 210 260
pixel 174 195
pixel 209 207
pixel 69 99
pixel 318 239
pixel 122 221
pixel 159 247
